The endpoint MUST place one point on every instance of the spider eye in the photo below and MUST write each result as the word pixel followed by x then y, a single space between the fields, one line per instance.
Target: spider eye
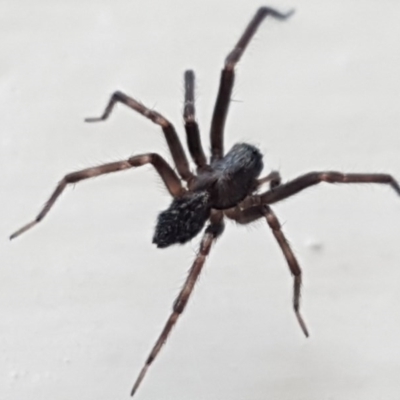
pixel 183 220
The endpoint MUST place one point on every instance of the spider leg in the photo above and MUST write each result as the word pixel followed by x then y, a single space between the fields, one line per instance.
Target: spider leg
pixel 191 126
pixel 167 174
pixel 213 230
pixel 174 144
pixel 228 76
pixel 251 214
pixel 274 179
pixel 312 178
pixel 294 267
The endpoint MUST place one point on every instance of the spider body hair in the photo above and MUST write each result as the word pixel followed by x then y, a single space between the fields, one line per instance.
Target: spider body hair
pixel 237 175
pixel 228 182
pixel 233 177
pixel 183 219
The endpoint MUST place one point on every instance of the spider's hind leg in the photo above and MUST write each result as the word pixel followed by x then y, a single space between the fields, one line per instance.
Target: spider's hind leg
pixel 252 214
pixel 214 229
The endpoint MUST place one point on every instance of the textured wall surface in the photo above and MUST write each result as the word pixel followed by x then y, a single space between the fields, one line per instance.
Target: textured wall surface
pixel 84 295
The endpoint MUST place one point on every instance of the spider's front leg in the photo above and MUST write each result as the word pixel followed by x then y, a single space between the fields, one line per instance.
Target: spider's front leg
pixel 214 229
pixel 313 178
pixel 251 214
pixel 167 174
pixel 228 77
pixel 174 144
pixel 191 126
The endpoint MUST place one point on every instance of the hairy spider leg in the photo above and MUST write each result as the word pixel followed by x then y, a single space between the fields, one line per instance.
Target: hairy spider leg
pixel 174 144
pixel 214 229
pixel 191 126
pixel 167 174
pixel 294 267
pixel 274 179
pixel 312 178
pixel 228 77
pixel 251 214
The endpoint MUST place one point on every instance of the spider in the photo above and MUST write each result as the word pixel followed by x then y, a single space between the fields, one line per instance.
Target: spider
pixel 226 185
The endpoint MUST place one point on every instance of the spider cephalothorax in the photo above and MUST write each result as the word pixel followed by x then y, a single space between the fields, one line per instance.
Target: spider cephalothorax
pixel 224 186
pixel 233 177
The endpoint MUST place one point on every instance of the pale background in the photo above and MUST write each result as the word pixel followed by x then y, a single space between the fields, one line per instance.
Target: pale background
pixel 84 295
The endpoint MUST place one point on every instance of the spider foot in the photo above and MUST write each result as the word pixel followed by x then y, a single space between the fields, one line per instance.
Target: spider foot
pixel 276 14
pixel 23 229
pixel 395 185
pixel 139 379
pixel 302 323
pixel 98 119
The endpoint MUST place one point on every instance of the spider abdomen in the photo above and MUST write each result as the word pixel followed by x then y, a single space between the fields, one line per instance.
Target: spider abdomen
pixel 182 220
pixel 235 175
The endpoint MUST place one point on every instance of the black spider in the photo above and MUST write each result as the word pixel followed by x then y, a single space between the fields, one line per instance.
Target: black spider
pixel 223 187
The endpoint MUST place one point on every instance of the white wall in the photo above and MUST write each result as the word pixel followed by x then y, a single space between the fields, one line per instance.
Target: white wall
pixel 84 295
